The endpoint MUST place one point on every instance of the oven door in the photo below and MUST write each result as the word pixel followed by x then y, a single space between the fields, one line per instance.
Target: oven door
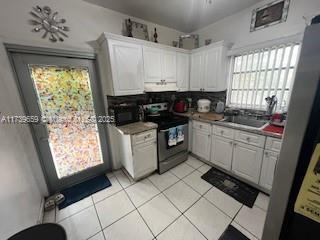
pixel 165 152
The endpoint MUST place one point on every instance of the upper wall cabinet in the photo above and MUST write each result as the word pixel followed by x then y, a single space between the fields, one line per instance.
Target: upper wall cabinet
pixel 183 71
pixel 209 68
pixel 196 72
pixel 121 67
pixel 159 65
pixel 130 66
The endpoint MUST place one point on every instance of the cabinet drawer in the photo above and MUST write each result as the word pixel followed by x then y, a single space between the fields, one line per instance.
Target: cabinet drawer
pixel 273 144
pixel 202 126
pixel 223 132
pixel 250 138
pixel 144 137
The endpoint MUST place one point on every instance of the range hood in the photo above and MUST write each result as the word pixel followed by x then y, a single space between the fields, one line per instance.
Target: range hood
pixel 160 87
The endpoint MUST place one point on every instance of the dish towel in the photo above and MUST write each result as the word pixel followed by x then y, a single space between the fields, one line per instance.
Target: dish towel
pixel 172 136
pixel 180 134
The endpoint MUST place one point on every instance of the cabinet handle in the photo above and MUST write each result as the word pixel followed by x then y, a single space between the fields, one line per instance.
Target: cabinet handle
pixel 248 139
pixel 266 153
pixel 209 135
pixel 231 143
pixel 222 131
pixel 235 144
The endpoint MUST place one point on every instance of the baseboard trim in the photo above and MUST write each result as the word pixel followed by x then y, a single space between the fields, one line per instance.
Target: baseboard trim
pixel 41 211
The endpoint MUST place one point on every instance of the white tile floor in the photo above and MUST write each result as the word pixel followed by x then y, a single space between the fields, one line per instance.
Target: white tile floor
pixel 177 205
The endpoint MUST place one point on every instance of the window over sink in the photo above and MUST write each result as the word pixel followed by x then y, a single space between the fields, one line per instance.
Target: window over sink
pixel 264 72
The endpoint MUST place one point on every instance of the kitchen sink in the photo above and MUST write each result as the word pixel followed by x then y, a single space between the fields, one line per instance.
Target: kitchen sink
pixel 245 121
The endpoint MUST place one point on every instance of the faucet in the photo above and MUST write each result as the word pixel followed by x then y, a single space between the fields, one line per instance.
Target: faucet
pixel 271 104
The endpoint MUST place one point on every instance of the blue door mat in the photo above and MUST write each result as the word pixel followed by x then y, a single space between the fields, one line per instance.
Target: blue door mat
pixel 235 188
pixel 231 233
pixel 83 190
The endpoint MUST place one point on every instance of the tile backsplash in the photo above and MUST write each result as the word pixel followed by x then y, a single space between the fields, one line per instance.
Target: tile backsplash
pixel 146 98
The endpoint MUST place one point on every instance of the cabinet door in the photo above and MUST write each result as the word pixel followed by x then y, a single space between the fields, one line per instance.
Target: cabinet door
pixel 152 58
pixel 212 65
pixel 144 159
pixel 247 161
pixel 169 67
pixel 201 142
pixel 221 152
pixel 183 71
pixel 127 69
pixel 196 74
pixel 268 169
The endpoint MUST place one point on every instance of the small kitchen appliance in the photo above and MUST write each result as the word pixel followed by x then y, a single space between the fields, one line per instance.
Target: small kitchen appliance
pixel 204 105
pixel 180 106
pixel 124 114
pixel 220 107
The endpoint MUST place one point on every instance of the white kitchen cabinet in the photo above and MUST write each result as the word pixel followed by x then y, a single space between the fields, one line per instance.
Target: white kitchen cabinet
pixel 169 66
pixel 196 72
pixel 212 65
pixel 152 58
pixel 209 68
pixel 183 71
pixel 137 153
pixel 273 144
pixel 159 65
pixel 121 66
pixel 144 156
pixel 268 169
pixel 221 152
pixel 201 143
pixel 247 161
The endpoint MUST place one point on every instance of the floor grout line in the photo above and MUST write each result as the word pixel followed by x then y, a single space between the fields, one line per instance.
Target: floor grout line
pixel 182 213
pixel 246 229
pixel 140 213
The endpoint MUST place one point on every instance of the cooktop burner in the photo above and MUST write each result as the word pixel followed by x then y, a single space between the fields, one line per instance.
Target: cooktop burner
pixel 167 120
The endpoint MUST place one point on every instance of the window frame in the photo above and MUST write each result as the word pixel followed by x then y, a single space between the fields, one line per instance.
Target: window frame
pixel 264 48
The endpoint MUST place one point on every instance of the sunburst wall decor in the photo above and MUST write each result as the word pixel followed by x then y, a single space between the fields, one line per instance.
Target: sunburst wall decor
pixel 45 20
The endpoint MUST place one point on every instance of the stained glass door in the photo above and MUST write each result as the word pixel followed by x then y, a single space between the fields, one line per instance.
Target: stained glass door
pixel 64 94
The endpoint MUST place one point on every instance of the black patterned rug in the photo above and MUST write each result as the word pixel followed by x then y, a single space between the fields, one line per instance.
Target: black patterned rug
pixel 235 188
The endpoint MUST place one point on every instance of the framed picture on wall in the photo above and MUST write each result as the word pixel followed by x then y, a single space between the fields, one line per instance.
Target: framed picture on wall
pixel 269 14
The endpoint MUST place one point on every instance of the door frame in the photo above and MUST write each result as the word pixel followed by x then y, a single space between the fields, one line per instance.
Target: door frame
pixel 98 104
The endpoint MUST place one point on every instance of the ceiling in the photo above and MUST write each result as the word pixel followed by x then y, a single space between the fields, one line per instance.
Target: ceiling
pixel 183 15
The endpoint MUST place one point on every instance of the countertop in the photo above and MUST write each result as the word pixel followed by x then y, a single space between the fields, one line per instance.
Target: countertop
pixel 202 117
pixel 137 127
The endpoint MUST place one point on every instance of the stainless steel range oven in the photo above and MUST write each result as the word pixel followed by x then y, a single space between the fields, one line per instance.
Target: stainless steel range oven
pixel 168 156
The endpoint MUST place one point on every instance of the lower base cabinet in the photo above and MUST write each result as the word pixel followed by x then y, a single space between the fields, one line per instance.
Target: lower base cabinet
pixel 143 155
pixel 268 169
pixel 254 161
pixel 221 152
pixel 247 161
pixel 201 143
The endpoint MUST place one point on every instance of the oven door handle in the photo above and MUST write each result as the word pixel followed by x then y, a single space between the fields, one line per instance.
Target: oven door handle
pixel 167 130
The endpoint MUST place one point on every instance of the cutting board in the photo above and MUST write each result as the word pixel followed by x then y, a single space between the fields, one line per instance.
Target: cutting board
pixel 209 116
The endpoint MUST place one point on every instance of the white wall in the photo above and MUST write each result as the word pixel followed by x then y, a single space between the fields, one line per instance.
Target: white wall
pixel 86 20
pixel 236 28
pixel 21 180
